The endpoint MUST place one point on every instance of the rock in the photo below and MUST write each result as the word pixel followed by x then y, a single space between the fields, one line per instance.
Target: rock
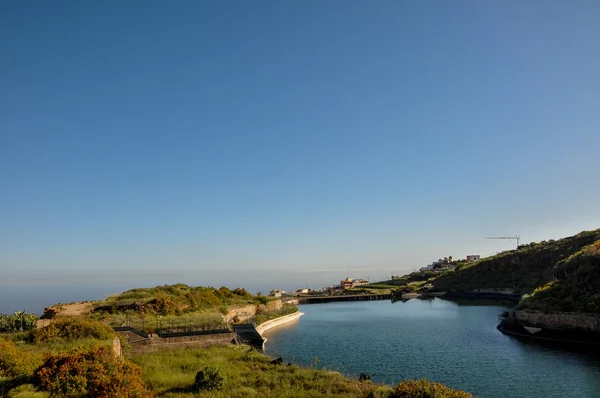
pixel 277 361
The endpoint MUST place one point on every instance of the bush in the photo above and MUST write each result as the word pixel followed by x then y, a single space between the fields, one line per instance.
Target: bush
pixel 165 306
pixel 91 373
pixel 72 329
pixel 208 379
pixel 26 391
pixel 425 389
pixel 14 362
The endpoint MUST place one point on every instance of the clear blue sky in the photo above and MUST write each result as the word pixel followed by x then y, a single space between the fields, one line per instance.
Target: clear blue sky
pixel 282 143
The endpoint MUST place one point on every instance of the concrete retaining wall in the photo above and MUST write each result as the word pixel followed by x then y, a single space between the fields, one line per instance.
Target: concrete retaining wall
pixel 559 320
pixel 263 327
pixel 156 343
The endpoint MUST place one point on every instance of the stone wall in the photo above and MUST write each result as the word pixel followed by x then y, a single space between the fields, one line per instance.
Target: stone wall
pixel 559 320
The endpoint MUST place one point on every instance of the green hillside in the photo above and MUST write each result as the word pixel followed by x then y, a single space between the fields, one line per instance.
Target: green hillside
pixel 576 287
pixel 524 269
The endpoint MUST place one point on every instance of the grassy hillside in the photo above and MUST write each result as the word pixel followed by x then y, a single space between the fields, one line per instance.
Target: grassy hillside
pixel 240 372
pixel 177 299
pixel 524 269
pixel 576 287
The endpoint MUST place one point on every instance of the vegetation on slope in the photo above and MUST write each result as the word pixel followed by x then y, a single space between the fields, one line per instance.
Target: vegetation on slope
pixel 93 373
pixel 523 269
pixel 69 329
pixel 263 316
pixel 576 287
pixel 83 370
pixel 22 355
pixel 176 299
pixel 234 371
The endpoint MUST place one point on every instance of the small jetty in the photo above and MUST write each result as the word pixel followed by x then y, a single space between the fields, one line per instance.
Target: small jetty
pixel 484 296
pixel 563 337
pixel 353 297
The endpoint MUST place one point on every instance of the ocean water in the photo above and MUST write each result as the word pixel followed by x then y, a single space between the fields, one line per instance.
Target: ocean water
pixel 453 343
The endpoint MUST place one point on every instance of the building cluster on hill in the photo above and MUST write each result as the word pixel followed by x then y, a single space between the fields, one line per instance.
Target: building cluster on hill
pixel 445 262
pixel 349 283
pixel 345 284
pixel 448 262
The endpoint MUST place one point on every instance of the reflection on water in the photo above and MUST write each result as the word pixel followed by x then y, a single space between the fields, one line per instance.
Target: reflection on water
pixel 456 344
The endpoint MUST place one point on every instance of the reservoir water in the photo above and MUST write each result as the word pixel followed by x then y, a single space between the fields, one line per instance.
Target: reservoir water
pixel 441 340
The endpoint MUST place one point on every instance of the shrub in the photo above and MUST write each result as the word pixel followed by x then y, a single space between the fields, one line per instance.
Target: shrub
pixel 208 379
pixel 14 362
pixel 26 391
pixel 91 373
pixel 425 389
pixel 165 306
pixel 72 329
pixel 241 292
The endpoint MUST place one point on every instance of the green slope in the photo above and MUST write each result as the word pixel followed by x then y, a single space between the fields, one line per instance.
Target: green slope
pixel 524 269
pixel 576 287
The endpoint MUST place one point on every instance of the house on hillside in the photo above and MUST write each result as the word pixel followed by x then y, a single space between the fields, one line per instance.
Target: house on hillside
pixel 277 292
pixel 347 283
pixel 473 257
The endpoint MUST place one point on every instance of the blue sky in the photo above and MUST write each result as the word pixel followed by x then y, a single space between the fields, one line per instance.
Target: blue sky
pixel 270 143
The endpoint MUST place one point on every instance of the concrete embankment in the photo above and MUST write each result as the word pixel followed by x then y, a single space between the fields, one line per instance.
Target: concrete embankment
pixel 558 320
pixel 263 327
pixel 556 327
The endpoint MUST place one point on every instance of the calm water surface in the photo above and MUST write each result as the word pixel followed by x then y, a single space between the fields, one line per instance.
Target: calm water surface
pixel 440 340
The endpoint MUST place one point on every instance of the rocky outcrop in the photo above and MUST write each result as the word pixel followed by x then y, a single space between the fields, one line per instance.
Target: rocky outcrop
pixel 239 314
pixel 274 305
pixel 242 313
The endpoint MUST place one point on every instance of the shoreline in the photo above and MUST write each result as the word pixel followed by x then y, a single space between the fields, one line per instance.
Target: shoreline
pixel 273 323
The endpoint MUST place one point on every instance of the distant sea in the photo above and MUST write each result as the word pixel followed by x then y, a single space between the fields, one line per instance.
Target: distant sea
pixel 34 298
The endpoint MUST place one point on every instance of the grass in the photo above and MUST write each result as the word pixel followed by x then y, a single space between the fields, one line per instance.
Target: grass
pixel 266 316
pixel 247 373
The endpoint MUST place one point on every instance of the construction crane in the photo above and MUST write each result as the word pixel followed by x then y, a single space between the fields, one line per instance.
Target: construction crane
pixel 516 237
